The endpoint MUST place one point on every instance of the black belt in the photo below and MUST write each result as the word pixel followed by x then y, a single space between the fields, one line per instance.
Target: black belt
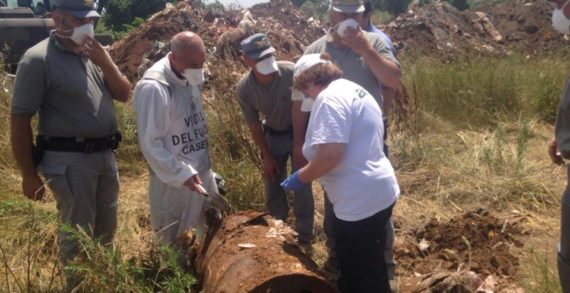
pixel 81 145
pixel 271 131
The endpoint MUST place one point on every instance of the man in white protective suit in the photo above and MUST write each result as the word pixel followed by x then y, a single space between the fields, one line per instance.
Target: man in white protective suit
pixel 173 136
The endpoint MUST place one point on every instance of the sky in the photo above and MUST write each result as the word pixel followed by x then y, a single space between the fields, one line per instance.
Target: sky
pixel 242 3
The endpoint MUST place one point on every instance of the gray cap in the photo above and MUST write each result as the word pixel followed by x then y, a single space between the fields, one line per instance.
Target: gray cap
pixel 347 6
pixel 79 8
pixel 256 46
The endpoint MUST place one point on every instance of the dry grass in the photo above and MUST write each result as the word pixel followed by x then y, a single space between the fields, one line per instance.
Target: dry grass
pixel 444 168
pixel 504 169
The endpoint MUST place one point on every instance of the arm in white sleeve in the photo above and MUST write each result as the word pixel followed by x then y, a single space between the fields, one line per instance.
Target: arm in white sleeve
pixel 152 103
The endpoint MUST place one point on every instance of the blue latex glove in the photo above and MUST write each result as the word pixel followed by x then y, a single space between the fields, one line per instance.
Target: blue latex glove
pixel 292 182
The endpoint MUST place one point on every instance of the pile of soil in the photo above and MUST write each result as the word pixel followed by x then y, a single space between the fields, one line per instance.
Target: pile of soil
pixel 436 29
pixel 526 26
pixel 288 28
pixel 439 28
pixel 468 249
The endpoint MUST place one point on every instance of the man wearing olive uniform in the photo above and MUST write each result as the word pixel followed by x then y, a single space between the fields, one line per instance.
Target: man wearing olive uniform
pixel 71 81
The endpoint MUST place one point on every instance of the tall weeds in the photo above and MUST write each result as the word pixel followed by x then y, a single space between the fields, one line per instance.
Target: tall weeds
pixel 478 92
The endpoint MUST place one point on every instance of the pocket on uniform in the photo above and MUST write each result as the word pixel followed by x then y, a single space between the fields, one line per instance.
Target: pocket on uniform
pixel 111 160
pixel 56 180
pixel 52 170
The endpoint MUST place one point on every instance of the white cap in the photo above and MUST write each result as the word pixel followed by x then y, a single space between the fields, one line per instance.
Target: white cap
pixel 308 61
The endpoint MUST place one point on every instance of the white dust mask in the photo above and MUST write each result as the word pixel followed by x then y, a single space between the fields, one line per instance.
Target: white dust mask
pixel 81 33
pixel 559 21
pixel 343 25
pixel 267 65
pixel 195 76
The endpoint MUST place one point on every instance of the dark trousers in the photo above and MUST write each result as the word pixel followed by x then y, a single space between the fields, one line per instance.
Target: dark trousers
pixel 564 245
pixel 360 251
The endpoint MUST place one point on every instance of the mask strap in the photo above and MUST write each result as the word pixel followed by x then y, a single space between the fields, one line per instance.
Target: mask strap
pixel 57 33
pixel 267 60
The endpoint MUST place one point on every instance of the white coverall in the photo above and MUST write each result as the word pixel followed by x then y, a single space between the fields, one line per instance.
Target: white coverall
pixel 173 137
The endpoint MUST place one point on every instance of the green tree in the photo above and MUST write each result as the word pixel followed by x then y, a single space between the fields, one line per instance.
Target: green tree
pixel 459 4
pixel 392 6
pixel 121 14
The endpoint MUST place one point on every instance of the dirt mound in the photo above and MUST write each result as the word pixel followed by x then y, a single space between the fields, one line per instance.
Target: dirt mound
pixel 465 250
pixel 289 29
pixel 436 29
pixel 497 30
pixel 526 27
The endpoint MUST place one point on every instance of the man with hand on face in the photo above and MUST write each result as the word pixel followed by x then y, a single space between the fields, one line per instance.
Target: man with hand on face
pixel 365 59
pixel 173 137
pixel 266 90
pixel 559 149
pixel 388 94
pixel 71 81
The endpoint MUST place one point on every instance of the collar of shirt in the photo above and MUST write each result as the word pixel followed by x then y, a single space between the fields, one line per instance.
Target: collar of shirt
pixel 57 43
pixel 329 35
pixel 273 83
pixel 172 76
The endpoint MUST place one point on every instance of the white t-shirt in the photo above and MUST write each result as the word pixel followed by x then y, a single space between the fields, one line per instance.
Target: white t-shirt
pixel 363 183
pixel 306 103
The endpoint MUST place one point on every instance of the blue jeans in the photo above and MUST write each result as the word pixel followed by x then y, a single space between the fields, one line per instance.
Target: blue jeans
pixel 281 148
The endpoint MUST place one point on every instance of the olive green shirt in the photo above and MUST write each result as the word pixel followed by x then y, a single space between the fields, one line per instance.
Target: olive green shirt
pixel 272 101
pixel 353 66
pixel 67 90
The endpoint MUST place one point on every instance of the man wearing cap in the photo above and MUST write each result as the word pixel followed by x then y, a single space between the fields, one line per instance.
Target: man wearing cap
pixel 266 91
pixel 74 84
pixel 366 24
pixel 388 95
pixel 365 59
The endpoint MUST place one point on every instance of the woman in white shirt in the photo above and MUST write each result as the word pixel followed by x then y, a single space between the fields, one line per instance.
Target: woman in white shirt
pixel 343 145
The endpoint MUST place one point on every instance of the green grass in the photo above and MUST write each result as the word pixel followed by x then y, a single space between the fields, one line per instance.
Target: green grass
pixel 541 276
pixel 481 92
